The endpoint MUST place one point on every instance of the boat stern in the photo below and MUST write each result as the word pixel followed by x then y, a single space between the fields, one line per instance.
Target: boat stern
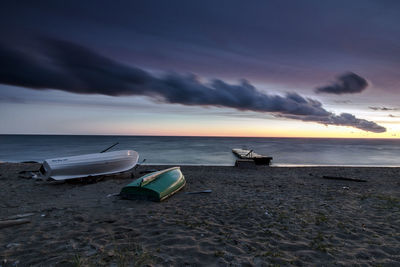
pixel 45 171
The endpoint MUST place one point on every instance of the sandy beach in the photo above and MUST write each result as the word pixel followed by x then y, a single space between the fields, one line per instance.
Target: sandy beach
pixel 267 216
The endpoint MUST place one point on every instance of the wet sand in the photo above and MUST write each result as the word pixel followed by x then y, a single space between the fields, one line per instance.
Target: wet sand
pixel 262 217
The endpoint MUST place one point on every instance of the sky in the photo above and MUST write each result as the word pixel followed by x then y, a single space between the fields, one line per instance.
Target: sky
pixel 201 68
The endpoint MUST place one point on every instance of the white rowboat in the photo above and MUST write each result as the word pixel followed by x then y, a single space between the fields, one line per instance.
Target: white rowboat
pixel 89 165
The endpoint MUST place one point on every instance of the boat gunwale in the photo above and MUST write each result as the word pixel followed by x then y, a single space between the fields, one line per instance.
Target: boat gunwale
pixel 74 160
pixel 156 175
pixel 65 164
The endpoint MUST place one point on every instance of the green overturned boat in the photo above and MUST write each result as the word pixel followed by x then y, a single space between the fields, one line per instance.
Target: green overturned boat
pixel 155 186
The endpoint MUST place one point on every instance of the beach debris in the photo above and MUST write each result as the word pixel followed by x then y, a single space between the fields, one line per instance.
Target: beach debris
pixel 15 220
pixel 343 178
pixel 199 192
pixel 267 213
pixel 18 216
pixel 26 174
pixel 37 176
pixel 8 223
pixel 113 195
pixel 346 188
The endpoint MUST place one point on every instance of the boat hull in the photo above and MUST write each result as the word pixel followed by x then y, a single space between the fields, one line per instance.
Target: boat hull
pixel 89 165
pixel 251 155
pixel 156 186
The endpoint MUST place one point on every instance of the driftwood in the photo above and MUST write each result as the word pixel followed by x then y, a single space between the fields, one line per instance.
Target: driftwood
pixel 18 216
pixel 343 178
pixel 8 223
pixel 15 220
pixel 199 192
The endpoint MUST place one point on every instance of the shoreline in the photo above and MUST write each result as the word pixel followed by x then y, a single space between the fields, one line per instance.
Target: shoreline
pixel 261 216
pixel 283 165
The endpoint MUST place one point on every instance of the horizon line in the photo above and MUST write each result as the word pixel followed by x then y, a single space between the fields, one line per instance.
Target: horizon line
pixel 196 136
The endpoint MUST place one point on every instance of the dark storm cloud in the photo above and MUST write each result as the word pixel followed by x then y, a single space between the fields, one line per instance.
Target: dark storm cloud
pixel 71 68
pixel 76 69
pixel 297 43
pixel 348 83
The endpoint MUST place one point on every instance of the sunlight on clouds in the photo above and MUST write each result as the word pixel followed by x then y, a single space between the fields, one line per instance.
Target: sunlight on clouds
pixel 65 113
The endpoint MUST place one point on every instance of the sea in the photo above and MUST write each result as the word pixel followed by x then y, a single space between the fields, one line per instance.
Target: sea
pixel 215 151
